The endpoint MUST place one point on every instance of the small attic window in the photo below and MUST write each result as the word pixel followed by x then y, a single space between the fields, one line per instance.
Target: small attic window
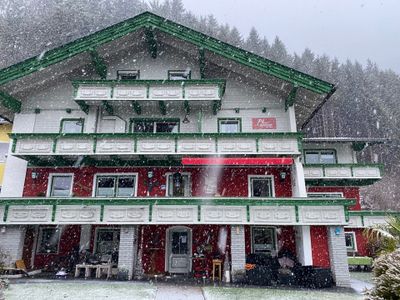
pixel 128 74
pixel 179 74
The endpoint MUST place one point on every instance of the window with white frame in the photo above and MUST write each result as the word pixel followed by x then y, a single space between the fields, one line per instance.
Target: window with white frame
pixel 72 125
pixel 325 195
pixel 153 125
pixel 261 186
pixel 178 184
pixel 229 125
pixel 123 185
pixel 60 185
pixel 320 156
pixel 350 238
pixel 263 240
pixel 107 244
pixel 48 240
pixel 128 74
pixel 179 74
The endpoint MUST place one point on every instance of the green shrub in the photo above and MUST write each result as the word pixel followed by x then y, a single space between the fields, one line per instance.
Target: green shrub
pixel 386 275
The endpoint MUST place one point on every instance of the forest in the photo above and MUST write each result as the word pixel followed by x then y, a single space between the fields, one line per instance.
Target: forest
pixel 366 103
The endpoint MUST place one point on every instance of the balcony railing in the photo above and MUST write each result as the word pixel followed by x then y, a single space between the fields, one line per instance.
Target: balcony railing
pixel 334 172
pixel 125 144
pixel 369 218
pixel 272 211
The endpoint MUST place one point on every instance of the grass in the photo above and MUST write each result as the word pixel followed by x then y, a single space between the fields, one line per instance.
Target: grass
pixel 212 293
pixel 80 290
pixel 363 276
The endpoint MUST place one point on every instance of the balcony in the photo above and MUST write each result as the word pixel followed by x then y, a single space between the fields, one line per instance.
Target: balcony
pixel 271 211
pixel 127 145
pixel 132 92
pixel 342 174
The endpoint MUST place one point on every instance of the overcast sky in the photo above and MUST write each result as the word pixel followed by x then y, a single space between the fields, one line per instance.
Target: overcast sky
pixel 354 29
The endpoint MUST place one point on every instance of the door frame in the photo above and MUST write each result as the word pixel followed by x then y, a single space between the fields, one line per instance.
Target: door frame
pixel 168 245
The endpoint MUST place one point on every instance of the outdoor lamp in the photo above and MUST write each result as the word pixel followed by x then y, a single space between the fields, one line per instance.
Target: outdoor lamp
pixel 34 175
pixel 282 176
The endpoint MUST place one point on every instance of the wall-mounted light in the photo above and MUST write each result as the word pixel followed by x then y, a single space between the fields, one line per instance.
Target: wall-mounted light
pixel 282 176
pixel 3 229
pixel 264 110
pixel 237 110
pixel 186 120
pixel 34 175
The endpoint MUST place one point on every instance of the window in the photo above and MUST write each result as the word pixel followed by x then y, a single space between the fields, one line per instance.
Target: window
pixel 128 74
pixel 3 151
pixel 325 195
pixel 178 185
pixel 152 125
pixel 350 238
pixel 72 125
pixel 60 185
pixel 320 156
pixel 261 186
pixel 107 244
pixel 263 240
pixel 179 74
pixel 116 186
pixel 48 240
pixel 229 125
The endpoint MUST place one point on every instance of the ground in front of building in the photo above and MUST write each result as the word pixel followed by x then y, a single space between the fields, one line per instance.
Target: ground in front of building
pixel 78 289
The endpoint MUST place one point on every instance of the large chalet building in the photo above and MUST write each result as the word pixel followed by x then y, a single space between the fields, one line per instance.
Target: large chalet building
pixel 160 148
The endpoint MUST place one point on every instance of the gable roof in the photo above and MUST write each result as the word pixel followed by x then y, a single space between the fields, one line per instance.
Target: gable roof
pixel 150 20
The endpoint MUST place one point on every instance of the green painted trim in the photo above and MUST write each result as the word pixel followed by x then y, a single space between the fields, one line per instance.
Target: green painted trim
pixel 341 182
pixel 216 107
pixel 150 212
pixel 53 212
pixel 151 42
pixel 163 107
pixel 84 107
pixel 136 107
pixel 291 98
pixel 366 213
pixel 179 31
pixel 296 211
pixel 98 63
pixel 199 213
pixel 248 213
pixel 14 145
pixel 101 212
pixel 9 102
pixel 5 212
pixel 186 106
pixel 71 119
pixel 358 146
pixel 107 106
pixel 229 119
pixel 180 201
pixel 202 62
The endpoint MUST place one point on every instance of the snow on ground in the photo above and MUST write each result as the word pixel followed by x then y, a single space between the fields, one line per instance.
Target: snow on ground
pixel 73 290
pixel 211 293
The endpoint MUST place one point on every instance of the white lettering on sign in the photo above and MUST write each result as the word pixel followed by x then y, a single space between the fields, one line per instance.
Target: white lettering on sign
pixel 264 123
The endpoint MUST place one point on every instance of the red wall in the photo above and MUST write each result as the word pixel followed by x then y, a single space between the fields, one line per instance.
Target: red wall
pixel 232 181
pixel 361 240
pixel 319 246
pixel 348 192
pixel 152 240
pixel 70 237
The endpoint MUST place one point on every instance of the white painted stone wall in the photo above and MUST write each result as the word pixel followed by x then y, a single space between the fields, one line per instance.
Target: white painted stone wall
pixel 238 253
pixel 338 256
pixel 12 243
pixel 128 249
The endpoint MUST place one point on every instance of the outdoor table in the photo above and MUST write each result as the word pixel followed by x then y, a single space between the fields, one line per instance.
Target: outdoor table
pixel 86 267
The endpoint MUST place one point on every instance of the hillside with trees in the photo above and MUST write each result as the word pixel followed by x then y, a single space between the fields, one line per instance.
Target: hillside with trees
pixel 366 103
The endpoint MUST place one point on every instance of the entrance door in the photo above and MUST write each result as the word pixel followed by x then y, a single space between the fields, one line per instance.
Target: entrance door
pixel 179 250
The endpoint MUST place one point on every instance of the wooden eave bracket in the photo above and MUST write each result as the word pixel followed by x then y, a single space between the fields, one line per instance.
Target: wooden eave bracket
pixel 9 102
pixel 151 41
pixel 98 63
pixel 291 97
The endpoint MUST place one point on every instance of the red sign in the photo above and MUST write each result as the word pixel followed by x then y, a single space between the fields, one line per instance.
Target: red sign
pixel 232 161
pixel 264 123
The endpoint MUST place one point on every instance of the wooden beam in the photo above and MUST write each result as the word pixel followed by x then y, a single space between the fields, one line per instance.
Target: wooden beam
pixel 151 42
pixel 99 64
pixel 84 107
pixel 136 107
pixel 291 97
pixel 9 102
pixel 108 107
pixel 202 62
pixel 163 107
